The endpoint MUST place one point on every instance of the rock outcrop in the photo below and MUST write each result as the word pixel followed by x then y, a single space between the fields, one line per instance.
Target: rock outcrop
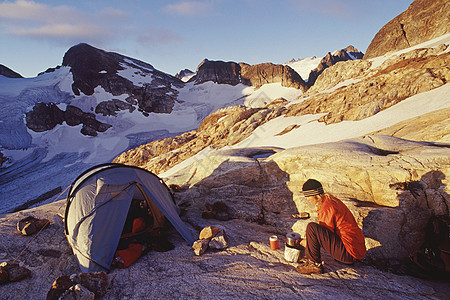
pixel 387 182
pixel 349 53
pixel 218 71
pixel 92 67
pixel 260 74
pixel 45 116
pixel 422 21
pixel 254 75
pixel 7 72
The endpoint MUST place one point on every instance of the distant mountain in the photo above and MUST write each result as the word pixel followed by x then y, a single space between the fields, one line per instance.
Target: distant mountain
pixel 185 75
pixel 422 21
pixel 91 68
pixel 7 72
pixel 349 53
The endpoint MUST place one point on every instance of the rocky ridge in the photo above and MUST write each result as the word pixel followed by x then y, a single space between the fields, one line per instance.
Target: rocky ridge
pixel 253 75
pixel 422 21
pixel 7 72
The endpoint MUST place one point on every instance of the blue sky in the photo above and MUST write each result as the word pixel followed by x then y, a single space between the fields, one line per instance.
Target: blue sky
pixel 173 35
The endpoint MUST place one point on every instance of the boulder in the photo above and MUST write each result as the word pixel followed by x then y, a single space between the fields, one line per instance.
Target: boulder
pixel 422 21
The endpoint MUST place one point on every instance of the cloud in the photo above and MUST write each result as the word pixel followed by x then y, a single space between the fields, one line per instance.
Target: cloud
pixel 58 23
pixel 189 8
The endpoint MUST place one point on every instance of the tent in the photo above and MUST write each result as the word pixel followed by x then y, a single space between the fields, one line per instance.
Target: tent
pixel 97 206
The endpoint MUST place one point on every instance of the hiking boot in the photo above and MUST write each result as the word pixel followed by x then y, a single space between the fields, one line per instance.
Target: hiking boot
pixel 307 266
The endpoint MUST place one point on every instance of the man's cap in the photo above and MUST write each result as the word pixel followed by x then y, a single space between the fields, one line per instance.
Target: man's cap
pixel 312 187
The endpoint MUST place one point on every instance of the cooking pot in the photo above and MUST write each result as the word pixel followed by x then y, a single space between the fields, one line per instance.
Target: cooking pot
pixel 293 240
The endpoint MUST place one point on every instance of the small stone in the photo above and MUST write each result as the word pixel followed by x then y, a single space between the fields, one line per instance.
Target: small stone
pixel 30 225
pixel 200 246
pixel 96 282
pixel 208 232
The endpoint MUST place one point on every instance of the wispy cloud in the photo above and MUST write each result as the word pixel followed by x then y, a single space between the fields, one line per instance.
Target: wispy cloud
pixel 66 25
pixel 189 8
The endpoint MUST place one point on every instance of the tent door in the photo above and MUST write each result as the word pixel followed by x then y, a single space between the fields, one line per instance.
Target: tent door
pixel 158 216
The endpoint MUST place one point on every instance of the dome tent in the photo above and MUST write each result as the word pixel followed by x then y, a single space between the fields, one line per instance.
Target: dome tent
pixel 97 207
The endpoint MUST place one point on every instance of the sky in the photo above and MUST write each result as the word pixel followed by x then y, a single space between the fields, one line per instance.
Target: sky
pixel 174 35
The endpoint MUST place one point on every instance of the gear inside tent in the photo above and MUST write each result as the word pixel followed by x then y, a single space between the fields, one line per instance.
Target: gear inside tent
pixel 98 204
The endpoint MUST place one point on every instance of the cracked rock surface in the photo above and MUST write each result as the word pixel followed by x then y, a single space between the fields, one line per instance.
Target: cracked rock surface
pixel 248 269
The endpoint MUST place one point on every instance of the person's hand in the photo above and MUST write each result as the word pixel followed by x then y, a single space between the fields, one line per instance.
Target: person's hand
pixel 303 243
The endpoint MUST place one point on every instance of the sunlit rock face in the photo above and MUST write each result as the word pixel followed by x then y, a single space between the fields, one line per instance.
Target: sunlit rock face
pixel 253 75
pixel 422 21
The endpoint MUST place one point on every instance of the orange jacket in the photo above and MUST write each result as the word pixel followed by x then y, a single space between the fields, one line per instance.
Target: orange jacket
pixel 334 215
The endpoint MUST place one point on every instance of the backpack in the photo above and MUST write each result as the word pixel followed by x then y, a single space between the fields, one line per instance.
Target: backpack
pixel 433 259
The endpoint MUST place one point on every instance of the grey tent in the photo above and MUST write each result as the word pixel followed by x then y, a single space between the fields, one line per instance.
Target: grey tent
pixel 97 206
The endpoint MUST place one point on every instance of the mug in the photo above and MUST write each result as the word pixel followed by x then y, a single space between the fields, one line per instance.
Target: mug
pixel 274 242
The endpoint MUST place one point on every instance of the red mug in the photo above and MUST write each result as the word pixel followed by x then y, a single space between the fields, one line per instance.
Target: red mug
pixel 274 242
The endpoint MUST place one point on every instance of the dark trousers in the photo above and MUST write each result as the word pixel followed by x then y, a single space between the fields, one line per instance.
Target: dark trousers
pixel 318 236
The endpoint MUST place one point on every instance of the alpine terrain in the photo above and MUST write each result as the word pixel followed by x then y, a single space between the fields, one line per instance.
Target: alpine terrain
pixel 373 128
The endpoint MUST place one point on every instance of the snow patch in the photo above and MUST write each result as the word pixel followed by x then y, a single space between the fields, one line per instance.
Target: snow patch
pixel 304 66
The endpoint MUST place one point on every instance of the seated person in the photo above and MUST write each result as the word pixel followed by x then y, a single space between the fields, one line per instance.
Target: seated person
pixel 337 232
